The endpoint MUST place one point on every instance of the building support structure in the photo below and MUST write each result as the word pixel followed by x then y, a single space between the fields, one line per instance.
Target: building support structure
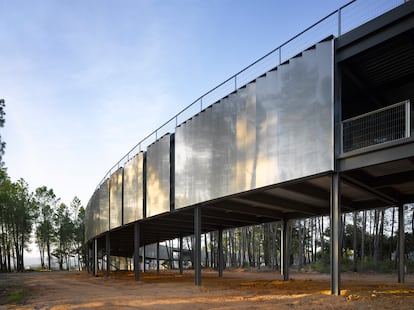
pixel 285 253
pixel 197 246
pixel 335 217
pixel 401 244
pixel 95 257
pixel 180 259
pixel 220 253
pixel 136 250
pixel 158 257
pixel 108 254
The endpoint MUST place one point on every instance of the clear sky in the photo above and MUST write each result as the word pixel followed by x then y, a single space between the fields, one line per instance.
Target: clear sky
pixel 85 80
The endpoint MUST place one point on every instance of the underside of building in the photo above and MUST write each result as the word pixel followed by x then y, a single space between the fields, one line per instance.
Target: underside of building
pixel 326 131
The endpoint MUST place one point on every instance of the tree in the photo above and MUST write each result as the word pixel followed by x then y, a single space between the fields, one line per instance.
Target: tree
pixel 2 121
pixel 16 219
pixel 23 215
pixel 63 235
pixel 45 202
pixel 79 230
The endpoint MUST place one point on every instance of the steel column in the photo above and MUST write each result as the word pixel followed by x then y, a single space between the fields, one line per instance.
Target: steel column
pixel 220 253
pixel 144 267
pixel 197 245
pixel 136 250
pixel 158 257
pixel 401 244
pixel 95 257
pixel 108 254
pixel 180 260
pixel 89 258
pixel 285 250
pixel 335 216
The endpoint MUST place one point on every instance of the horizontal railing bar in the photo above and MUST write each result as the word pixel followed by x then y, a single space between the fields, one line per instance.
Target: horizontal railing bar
pixel 374 112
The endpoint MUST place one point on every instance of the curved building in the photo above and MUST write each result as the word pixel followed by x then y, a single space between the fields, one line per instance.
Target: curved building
pixel 325 129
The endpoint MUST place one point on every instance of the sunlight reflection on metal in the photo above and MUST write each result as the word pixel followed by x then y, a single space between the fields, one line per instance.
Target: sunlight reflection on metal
pixel 133 189
pixel 158 176
pixel 260 135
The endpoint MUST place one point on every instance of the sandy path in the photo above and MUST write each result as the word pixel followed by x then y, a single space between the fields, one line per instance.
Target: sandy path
pixel 237 290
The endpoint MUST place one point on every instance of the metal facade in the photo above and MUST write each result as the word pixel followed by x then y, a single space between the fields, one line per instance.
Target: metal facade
pixel 158 177
pixel 115 200
pixel 103 207
pixel 94 214
pixel 278 129
pixel 134 189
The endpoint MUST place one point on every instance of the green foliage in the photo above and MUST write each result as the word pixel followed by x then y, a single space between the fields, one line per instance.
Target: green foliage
pixel 2 121
pixel 16 219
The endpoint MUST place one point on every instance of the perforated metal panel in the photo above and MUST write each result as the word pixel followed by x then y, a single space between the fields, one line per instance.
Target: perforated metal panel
pixel 88 221
pixel 115 200
pixel 277 129
pixel 103 208
pixel 133 189
pixel 94 214
pixel 158 176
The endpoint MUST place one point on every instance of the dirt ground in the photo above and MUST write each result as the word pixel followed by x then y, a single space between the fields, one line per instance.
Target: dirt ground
pixel 237 289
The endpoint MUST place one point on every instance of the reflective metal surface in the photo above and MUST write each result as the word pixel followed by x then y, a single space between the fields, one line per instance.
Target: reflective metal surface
pixel 115 200
pixel 277 129
pixel 103 208
pixel 158 176
pixel 94 214
pixel 133 189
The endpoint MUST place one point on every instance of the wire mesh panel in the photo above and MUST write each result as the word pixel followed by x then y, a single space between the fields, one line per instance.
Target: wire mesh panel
pixel 133 189
pixel 115 200
pixel 377 127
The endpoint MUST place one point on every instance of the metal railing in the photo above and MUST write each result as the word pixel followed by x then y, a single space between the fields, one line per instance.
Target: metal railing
pixel 377 127
pixel 342 20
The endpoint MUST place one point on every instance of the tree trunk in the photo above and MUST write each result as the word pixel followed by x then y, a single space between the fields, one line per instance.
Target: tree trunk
pixel 300 246
pixel 321 230
pixel 376 235
pixel 364 228
pixel 354 246
pixel 392 234
pixel 48 256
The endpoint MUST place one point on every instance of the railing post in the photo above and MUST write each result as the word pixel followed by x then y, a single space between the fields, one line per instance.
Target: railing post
pixel 280 55
pixel 407 119
pixel 235 82
pixel 339 21
pixel 201 104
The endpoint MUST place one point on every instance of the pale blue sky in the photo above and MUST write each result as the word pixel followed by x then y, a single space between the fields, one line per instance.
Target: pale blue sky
pixel 84 81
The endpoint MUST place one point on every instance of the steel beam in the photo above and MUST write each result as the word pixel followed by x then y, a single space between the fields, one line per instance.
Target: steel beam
pixel 335 217
pixel 136 250
pixel 108 254
pixel 284 257
pixel 220 253
pixel 401 244
pixel 197 245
